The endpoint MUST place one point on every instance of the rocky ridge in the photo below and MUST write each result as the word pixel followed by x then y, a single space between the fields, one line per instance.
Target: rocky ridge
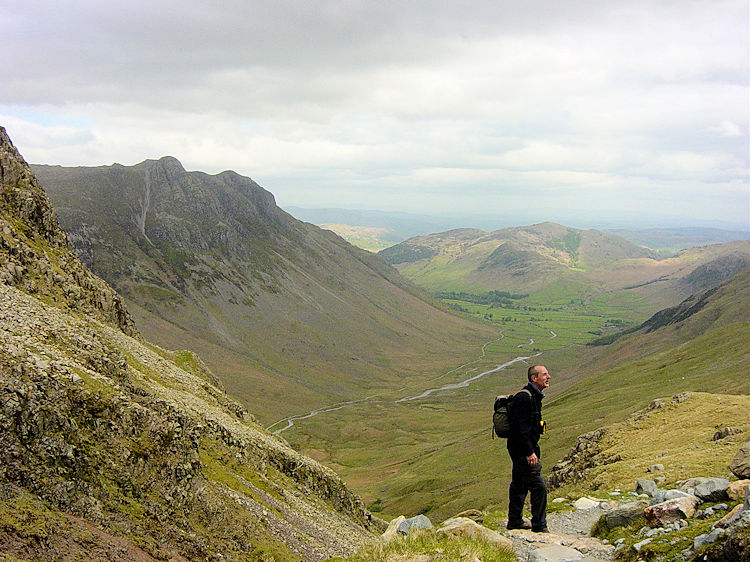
pixel 115 449
pixel 34 251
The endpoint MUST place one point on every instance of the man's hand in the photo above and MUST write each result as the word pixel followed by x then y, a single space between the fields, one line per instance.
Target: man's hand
pixel 532 459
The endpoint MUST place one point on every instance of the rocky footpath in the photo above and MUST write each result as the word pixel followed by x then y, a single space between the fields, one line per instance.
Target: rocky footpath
pixel 115 449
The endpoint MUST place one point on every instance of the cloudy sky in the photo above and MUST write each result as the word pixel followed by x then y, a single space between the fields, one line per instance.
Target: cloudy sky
pixel 545 109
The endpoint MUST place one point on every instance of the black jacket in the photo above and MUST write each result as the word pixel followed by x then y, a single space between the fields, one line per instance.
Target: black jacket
pixel 525 422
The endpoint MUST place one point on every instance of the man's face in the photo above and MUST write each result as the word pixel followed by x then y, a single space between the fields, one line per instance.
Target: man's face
pixel 541 379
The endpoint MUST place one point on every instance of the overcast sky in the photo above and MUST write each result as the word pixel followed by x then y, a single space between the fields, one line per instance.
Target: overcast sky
pixel 548 109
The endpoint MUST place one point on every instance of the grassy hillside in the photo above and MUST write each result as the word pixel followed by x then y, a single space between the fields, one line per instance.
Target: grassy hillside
pixel 370 238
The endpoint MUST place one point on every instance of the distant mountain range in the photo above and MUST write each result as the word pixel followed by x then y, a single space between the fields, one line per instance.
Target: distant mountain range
pixel 393 227
pixel 530 258
pixel 290 316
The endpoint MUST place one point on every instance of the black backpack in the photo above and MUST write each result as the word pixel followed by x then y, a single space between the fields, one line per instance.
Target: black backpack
pixel 501 415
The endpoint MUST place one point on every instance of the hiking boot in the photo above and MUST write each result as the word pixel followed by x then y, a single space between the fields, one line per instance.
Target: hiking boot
pixel 523 525
pixel 541 530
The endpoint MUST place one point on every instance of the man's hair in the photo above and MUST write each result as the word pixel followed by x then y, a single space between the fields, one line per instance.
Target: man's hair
pixel 533 371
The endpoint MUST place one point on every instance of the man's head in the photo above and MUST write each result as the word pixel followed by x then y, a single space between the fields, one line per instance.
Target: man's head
pixel 539 376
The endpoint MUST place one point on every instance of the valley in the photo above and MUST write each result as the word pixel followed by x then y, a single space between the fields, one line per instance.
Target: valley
pixel 388 376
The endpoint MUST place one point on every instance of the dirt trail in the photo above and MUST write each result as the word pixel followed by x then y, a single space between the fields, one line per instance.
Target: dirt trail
pixel 567 528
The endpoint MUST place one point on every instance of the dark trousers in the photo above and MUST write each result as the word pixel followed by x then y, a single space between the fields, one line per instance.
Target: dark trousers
pixel 527 479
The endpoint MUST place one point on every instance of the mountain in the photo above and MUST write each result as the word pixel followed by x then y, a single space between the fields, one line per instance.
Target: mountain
pixel 112 448
pixel 290 316
pixel 511 258
pixel 672 240
pixel 531 258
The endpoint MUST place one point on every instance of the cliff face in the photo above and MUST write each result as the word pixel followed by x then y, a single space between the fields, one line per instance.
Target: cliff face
pixel 34 251
pixel 115 449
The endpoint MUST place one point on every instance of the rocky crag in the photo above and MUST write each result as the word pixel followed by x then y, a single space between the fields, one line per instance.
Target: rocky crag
pixel 34 251
pixel 115 449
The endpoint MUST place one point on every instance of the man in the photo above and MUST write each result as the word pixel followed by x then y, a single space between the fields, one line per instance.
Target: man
pixel 523 445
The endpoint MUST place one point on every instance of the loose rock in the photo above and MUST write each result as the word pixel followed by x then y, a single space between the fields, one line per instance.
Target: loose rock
pixel 418 522
pixel 463 526
pixel 740 465
pixel 671 510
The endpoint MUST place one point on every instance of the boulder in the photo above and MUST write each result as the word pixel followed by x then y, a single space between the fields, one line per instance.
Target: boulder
pixel 419 522
pixel 738 490
pixel 712 489
pixel 672 494
pixel 740 465
pixel 555 553
pixel 729 518
pixel 703 540
pixel 585 503
pixel 391 531
pixel 655 468
pixel 473 514
pixel 645 486
pixel 670 511
pixel 725 432
pixel 622 515
pixel 465 527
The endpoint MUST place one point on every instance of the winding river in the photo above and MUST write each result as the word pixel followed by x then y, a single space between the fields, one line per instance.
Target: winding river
pixel 452 386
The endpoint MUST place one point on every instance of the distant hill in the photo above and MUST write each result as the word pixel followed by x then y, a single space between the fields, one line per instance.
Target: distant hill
pixel 531 258
pixel 671 240
pixel 290 316
pixel 112 448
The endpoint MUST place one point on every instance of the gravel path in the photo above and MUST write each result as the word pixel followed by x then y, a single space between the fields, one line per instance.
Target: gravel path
pixel 567 528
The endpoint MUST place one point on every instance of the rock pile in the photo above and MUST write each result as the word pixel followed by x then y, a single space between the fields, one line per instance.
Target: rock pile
pixel 677 508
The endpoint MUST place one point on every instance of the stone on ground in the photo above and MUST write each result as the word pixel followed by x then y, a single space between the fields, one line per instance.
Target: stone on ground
pixel 391 531
pixel 414 523
pixel 586 503
pixel 712 489
pixel 645 486
pixel 623 515
pixel 738 490
pixel 465 527
pixel 670 511
pixel 740 464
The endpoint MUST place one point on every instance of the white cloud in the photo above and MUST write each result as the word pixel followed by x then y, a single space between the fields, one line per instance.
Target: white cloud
pixel 419 105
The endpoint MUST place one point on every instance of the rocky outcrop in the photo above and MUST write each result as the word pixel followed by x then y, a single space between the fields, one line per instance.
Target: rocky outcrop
pixel 34 252
pixel 740 465
pixel 98 427
pixel 576 464
pixel 670 511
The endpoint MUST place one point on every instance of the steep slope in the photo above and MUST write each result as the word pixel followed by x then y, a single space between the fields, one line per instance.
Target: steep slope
pixel 114 449
pixel 276 307
pixel 545 256
pixel 35 252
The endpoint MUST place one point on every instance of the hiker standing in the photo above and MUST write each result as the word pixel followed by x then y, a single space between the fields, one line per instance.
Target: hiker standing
pixel 526 426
